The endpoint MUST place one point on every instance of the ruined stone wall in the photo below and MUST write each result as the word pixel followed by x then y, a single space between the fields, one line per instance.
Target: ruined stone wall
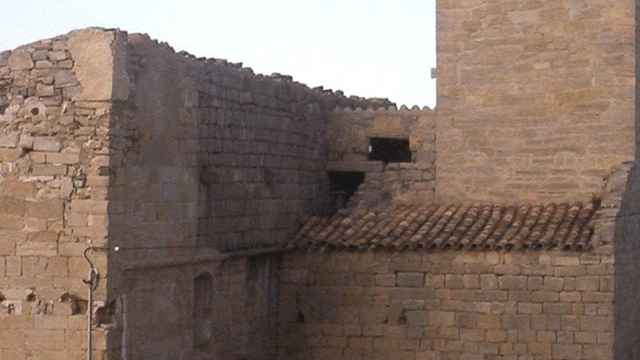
pixel 349 131
pixel 535 98
pixel 447 305
pixel 54 156
pixel 208 158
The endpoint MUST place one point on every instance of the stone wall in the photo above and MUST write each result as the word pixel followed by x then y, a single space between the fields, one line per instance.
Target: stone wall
pixel 349 131
pixel 625 216
pixel 54 118
pixel 536 99
pixel 447 305
pixel 158 319
pixel 207 158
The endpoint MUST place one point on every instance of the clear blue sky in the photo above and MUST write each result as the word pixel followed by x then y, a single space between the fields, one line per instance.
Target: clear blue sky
pixel 380 48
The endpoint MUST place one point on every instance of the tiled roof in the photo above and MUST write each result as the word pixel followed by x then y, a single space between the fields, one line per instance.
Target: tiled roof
pixel 489 227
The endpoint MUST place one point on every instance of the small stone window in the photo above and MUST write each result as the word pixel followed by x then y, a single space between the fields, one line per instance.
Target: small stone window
pixel 202 310
pixel 4 104
pixel 389 150
pixel 343 185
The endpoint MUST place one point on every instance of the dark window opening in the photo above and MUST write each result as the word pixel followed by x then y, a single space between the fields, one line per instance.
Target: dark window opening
pixel 300 317
pixel 202 310
pixel 389 150
pixel 343 185
pixel 4 104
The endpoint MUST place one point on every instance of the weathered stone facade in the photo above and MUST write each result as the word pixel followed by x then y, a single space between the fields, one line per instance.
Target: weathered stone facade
pixel 55 105
pixel 349 134
pixel 220 161
pixel 536 99
pixel 506 230
pixel 447 305
pixel 160 184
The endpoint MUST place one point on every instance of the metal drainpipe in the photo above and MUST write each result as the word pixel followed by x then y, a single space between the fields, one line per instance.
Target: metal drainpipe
pixel 92 284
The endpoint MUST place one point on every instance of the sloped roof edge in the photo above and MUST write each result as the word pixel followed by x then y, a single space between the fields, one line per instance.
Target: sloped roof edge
pixel 561 226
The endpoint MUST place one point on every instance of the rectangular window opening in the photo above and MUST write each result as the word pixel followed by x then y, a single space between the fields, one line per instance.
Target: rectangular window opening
pixel 4 103
pixel 389 150
pixel 343 185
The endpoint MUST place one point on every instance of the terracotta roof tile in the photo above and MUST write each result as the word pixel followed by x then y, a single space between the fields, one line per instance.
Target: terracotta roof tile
pixel 475 226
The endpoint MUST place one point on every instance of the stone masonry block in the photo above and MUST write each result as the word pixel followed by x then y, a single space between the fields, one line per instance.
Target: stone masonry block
pixel 8 240
pixel 553 283
pixel 529 308
pixel 566 351
pixel 565 260
pixel 62 158
pixel 513 282
pixel 45 90
pixel 508 269
pixel 440 318
pixel 385 280
pixel 12 340
pixel 535 282
pixel 589 283
pixel 26 142
pixel 434 281
pixel 46 209
pixel 20 60
pixel 488 281
pixel 48 170
pixel 14 266
pixel 17 189
pixel 595 323
pixel 416 318
pixel 471 281
pixel 544 296
pixel 41 339
pixel 43 243
pixel 58 55
pixel 489 322
pixel 9 155
pixel 454 281
pixel 46 144
pixel 410 279
pixel 557 308
pixel 569 296
pixel 9 140
pixel 94 207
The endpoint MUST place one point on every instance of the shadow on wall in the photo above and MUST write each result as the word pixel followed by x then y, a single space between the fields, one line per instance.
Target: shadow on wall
pixel 627 266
